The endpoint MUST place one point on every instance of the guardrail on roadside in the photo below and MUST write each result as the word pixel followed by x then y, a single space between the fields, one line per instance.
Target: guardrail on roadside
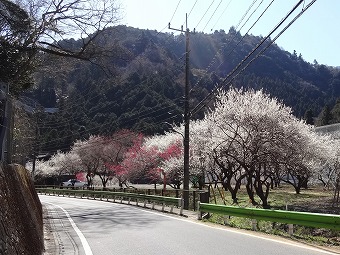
pixel 316 220
pixel 118 196
pixel 195 194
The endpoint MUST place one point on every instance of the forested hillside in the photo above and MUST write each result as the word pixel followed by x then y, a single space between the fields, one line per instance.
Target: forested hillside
pixel 139 85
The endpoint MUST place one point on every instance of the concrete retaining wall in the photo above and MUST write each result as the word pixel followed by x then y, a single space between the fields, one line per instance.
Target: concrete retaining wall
pixel 21 223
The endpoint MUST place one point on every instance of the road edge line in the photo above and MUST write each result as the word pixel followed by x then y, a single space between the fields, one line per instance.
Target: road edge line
pixel 81 236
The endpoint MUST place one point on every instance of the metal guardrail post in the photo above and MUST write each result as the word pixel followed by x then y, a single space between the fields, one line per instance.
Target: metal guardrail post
pixel 199 213
pixel 290 229
pixel 254 224
pixel 226 220
pixel 182 207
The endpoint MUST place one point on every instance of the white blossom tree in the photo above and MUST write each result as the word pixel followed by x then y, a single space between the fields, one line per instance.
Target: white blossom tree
pixel 65 163
pixel 89 152
pixel 252 137
pixel 61 163
pixel 202 163
pixel 329 172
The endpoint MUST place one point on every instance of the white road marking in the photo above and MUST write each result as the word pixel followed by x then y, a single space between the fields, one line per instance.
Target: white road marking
pixel 82 238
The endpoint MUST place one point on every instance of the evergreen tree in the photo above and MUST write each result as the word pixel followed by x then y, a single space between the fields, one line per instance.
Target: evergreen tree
pixel 309 117
pixel 325 116
pixel 336 112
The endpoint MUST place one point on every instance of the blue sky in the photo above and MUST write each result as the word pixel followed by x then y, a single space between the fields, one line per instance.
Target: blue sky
pixel 316 34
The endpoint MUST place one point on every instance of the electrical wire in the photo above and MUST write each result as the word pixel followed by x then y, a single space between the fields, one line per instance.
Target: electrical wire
pixel 208 98
pixel 245 14
pixel 214 60
pixel 204 14
pixel 175 11
pixel 247 33
pixel 138 115
pixel 192 8
pixel 251 15
pixel 212 15
pixel 221 15
pixel 134 130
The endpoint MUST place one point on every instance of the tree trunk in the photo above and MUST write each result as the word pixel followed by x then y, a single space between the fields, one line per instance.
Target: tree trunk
pixel 263 195
pixel 250 191
pixel 297 189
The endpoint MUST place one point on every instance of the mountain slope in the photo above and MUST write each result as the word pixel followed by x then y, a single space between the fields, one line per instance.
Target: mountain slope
pixel 140 84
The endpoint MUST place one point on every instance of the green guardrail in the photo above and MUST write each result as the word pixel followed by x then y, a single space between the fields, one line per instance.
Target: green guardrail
pixel 114 195
pixel 317 220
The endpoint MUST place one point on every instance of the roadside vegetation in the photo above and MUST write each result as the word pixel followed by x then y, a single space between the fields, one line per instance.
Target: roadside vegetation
pixel 315 199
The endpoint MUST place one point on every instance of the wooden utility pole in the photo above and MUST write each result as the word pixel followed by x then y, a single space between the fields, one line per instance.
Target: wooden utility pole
pixel 186 116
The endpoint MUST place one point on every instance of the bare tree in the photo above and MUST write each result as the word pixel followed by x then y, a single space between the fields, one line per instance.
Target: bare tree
pixel 57 20
pixel 29 27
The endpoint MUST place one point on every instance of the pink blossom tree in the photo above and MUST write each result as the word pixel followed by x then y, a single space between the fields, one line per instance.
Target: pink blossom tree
pixel 141 164
pixel 115 151
pixel 169 149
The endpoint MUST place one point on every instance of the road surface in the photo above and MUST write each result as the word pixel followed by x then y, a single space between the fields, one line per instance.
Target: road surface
pixel 89 227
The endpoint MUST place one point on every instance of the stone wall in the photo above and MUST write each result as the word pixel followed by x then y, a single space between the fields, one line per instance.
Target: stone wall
pixel 21 223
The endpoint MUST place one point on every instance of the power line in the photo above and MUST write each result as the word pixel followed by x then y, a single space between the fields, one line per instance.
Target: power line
pixel 137 116
pixel 246 34
pixel 192 8
pixel 221 15
pixel 175 11
pixel 70 106
pixel 208 98
pixel 212 15
pixel 251 15
pixel 204 14
pixel 213 61
pixel 246 13
pixel 264 49
pixel 134 130
pixel 275 38
pixel 189 13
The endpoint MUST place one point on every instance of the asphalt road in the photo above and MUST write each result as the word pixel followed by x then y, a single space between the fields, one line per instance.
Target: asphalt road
pixel 81 226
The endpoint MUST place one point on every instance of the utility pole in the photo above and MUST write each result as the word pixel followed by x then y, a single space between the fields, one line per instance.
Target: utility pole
pixel 186 116
pixel 6 134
